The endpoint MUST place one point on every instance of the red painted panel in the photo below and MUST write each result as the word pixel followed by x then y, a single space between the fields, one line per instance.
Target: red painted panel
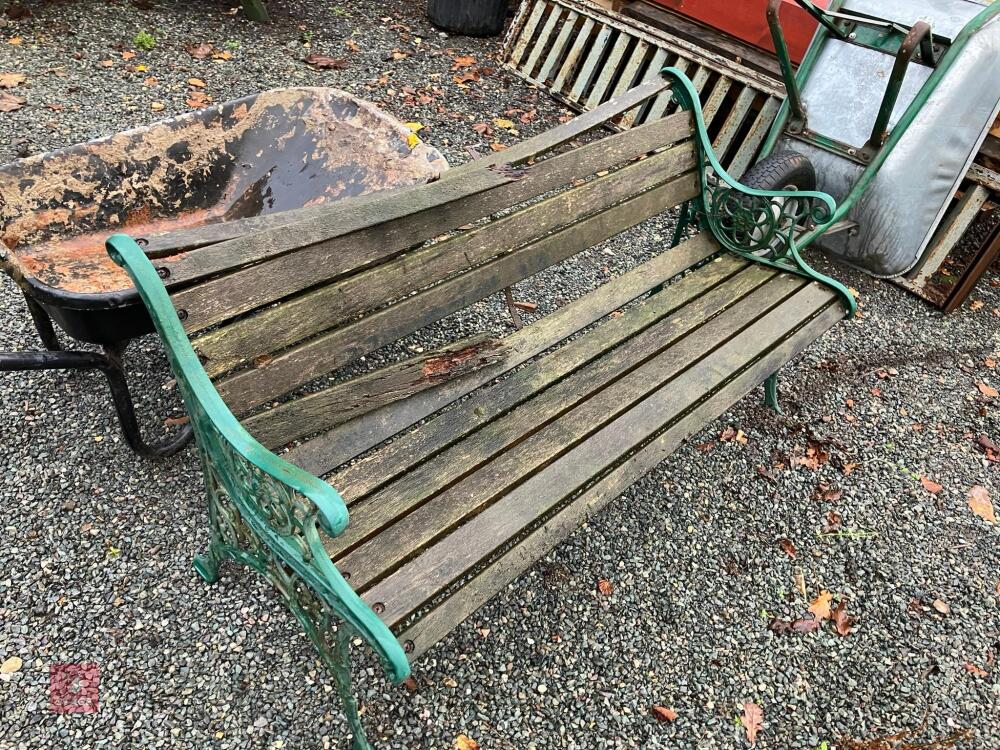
pixel 747 20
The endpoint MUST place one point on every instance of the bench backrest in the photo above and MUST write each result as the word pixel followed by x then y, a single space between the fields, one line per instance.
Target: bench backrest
pixel 277 308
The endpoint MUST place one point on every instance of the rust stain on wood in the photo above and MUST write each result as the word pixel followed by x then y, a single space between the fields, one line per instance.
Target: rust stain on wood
pixel 450 364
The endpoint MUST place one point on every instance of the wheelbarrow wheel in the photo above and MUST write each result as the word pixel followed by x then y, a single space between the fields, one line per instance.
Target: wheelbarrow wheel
pixel 786 170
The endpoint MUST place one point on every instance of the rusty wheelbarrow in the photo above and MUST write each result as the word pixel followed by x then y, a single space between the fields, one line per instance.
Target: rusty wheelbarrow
pixel 218 173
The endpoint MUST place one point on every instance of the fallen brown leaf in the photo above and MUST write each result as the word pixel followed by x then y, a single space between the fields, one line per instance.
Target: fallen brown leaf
pixel 605 587
pixel 662 713
pixel 788 548
pixel 752 720
pixel 987 390
pixel 199 51
pixel 463 61
pixel 10 80
pixel 198 99
pixel 820 606
pixel 842 622
pixel 197 83
pixel 526 306
pixel 325 62
pixel 128 54
pixel 973 669
pixel 941 606
pixel 930 485
pixel 468 76
pixel 10 102
pixel 464 742
pixel 980 504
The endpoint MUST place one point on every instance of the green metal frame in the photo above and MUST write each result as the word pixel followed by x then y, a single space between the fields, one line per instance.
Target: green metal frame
pixel 794 124
pixel 265 512
pixel 762 226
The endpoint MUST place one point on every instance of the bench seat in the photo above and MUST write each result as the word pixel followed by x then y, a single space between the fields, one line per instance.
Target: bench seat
pixel 490 486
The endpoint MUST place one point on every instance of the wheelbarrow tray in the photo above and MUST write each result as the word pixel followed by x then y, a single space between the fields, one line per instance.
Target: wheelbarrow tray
pixel 262 155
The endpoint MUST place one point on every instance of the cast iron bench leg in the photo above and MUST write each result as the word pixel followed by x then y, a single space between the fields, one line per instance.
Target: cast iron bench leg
pixel 110 364
pixel 234 539
pixel 771 392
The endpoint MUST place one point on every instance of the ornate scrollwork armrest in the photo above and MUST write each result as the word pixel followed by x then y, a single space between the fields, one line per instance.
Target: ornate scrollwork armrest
pixel 764 226
pixel 265 512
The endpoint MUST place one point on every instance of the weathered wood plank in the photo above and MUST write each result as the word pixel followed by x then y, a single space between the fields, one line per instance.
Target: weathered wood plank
pixel 423 480
pixel 243 246
pixel 543 38
pixel 451 556
pixel 569 64
pixel 332 350
pixel 216 300
pixel 563 134
pixel 558 47
pixel 294 320
pixel 589 67
pixel 527 32
pixel 343 401
pixel 466 600
pixel 394 459
pixel 341 444
pixel 715 99
pixel 608 70
pixel 406 522
pixel 755 136
pixel 733 123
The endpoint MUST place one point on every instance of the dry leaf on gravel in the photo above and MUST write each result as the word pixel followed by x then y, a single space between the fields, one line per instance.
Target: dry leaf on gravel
pixel 325 62
pixel 463 61
pixel 973 669
pixel 987 390
pixel 930 485
pixel 10 102
pixel 980 504
pixel 198 99
pixel 464 742
pixel 842 622
pixel 10 80
pixel 199 51
pixel 662 713
pixel 752 720
pixel 820 606
pixel 197 83
pixel 941 606
pixel 605 587
pixel 788 548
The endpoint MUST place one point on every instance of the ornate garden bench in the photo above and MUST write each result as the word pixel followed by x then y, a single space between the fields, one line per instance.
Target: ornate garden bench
pixel 463 466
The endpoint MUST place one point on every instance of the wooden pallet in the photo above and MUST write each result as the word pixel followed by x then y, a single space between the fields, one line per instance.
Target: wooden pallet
pixel 584 55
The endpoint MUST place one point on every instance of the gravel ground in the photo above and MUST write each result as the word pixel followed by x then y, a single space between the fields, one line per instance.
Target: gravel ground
pixel 97 543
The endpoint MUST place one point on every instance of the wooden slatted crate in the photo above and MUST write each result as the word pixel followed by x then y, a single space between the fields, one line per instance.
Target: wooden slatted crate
pixel 584 55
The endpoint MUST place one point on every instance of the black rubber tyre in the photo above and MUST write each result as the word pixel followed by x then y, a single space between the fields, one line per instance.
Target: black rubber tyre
pixel 781 171
pixel 472 17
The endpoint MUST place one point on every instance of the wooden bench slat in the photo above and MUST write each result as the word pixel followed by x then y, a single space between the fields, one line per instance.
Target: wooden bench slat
pixel 468 598
pixel 245 289
pixel 255 240
pixel 428 477
pixel 276 328
pixel 460 551
pixel 335 349
pixel 339 445
pixel 391 461
pixel 417 521
pixel 347 400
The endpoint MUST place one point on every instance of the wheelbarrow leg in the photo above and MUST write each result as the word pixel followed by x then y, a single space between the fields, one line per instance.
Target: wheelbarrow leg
pixel 114 371
pixel 43 324
pixel 110 364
